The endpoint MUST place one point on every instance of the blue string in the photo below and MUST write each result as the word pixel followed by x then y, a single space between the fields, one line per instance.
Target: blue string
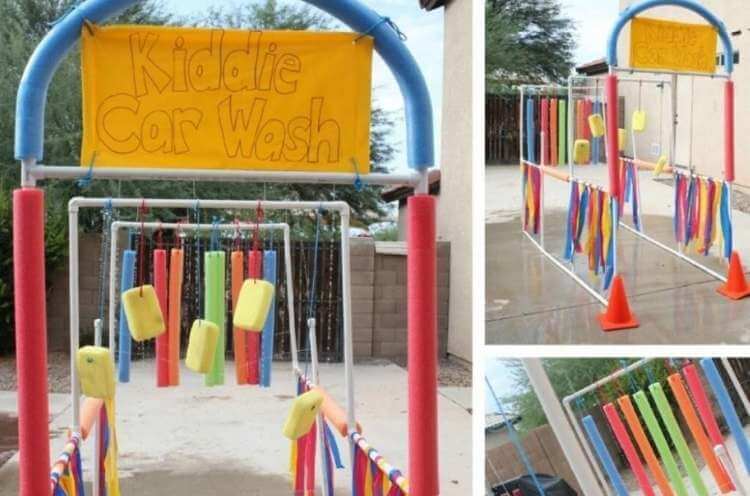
pixel 383 20
pixel 107 227
pixel 515 439
pixel 215 234
pixel 312 289
pixel 198 269
pixel 85 181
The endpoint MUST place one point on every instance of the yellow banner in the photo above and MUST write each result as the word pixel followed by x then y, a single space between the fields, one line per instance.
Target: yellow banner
pixel 226 99
pixel 675 46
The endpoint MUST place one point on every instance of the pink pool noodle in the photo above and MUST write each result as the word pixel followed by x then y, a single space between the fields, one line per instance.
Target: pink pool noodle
pixel 613 151
pixel 254 259
pixel 162 340
pixel 729 131
pixel 627 446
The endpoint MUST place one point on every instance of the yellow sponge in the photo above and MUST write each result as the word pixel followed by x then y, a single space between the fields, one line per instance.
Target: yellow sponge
pixel 204 335
pixel 622 139
pixel 581 151
pixel 660 164
pixel 638 122
pixel 302 415
pixel 253 304
pixel 142 310
pixel 596 123
pixel 96 371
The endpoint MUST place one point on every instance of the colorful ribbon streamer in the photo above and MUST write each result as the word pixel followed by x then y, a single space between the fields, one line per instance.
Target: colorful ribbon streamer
pixel 701 214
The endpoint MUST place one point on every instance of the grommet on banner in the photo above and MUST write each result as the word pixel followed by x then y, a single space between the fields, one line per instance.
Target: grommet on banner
pixel 358 185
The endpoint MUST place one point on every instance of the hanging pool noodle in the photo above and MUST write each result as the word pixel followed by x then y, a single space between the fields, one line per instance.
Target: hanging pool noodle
pixel 237 261
pixel 162 340
pixel 126 282
pixel 701 402
pixel 604 457
pixel 596 142
pixel 644 445
pixel 727 408
pixel 626 444
pixel 216 311
pixel 677 438
pixel 530 131
pixel 553 152
pixel 266 357
pixel 699 435
pixel 176 266
pixel 641 400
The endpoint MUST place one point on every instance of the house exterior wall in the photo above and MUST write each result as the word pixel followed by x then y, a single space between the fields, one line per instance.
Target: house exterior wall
pixel 706 102
pixel 454 215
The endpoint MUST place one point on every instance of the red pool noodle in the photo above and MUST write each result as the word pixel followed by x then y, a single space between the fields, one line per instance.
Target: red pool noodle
pixel 162 340
pixel 613 152
pixel 729 131
pixel 422 346
pixel 31 341
pixel 553 132
pixel 702 405
pixel 254 261
pixel 176 263
pixel 240 344
pixel 544 122
pixel 626 444
pixel 310 447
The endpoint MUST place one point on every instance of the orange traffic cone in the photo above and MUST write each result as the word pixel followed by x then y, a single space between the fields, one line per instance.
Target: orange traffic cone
pixel 736 286
pixel 618 315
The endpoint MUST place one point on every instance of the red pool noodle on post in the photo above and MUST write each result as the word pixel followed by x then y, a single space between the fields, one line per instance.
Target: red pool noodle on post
pixel 162 340
pixel 240 345
pixel 176 265
pixel 729 131
pixel 422 351
pixel 613 149
pixel 702 405
pixel 254 261
pixel 31 341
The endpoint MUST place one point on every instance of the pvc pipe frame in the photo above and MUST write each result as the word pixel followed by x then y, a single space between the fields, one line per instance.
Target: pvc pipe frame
pixel 29 146
pixel 342 208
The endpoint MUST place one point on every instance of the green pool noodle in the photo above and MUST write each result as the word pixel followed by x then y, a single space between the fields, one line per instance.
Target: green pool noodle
pixel 675 477
pixel 216 311
pixel 562 131
pixel 677 438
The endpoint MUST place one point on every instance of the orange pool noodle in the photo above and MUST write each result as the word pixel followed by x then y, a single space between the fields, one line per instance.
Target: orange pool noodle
pixel 696 429
pixel 335 415
pixel 89 413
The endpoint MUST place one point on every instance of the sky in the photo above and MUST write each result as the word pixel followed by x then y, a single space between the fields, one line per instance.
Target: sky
pixel 593 20
pixel 424 31
pixel 499 376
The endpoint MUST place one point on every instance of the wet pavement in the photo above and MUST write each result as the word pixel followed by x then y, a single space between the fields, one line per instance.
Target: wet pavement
pixel 530 301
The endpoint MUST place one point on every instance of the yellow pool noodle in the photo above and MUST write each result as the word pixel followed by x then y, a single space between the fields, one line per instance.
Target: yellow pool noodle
pixel 142 310
pixel 596 124
pixel 638 122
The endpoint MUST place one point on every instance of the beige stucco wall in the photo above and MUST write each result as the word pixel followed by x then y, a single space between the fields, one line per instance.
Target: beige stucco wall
pixel 454 206
pixel 707 103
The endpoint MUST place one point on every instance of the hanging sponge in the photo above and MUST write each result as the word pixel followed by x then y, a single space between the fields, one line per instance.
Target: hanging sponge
pixel 302 415
pixel 660 164
pixel 596 123
pixel 143 312
pixel 204 335
pixel 581 151
pixel 638 122
pixel 253 304
pixel 96 371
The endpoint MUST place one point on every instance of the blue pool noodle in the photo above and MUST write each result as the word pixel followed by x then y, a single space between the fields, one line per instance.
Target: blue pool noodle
pixel 604 456
pixel 126 282
pixel 266 351
pixel 727 409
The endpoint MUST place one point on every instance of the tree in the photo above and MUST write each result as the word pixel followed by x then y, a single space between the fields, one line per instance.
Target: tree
pixel 570 375
pixel 526 41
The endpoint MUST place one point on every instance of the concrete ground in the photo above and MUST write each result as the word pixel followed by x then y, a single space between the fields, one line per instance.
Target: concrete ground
pixel 227 440
pixel 530 301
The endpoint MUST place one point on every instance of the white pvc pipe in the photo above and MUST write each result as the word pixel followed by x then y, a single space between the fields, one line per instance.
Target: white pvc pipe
pixel 630 70
pixel 95 425
pixel 41 172
pixel 74 317
pixel 726 462
pixel 351 420
pixel 736 383
pixel 562 429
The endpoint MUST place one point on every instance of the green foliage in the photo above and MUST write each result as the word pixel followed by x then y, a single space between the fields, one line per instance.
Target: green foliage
pixel 527 41
pixel 24 22
pixel 387 233
pixel 570 375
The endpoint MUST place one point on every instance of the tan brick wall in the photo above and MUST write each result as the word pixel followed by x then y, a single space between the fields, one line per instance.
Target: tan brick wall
pixel 378 298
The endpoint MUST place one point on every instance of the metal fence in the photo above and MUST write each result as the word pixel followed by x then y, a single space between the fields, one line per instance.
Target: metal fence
pixel 501 129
